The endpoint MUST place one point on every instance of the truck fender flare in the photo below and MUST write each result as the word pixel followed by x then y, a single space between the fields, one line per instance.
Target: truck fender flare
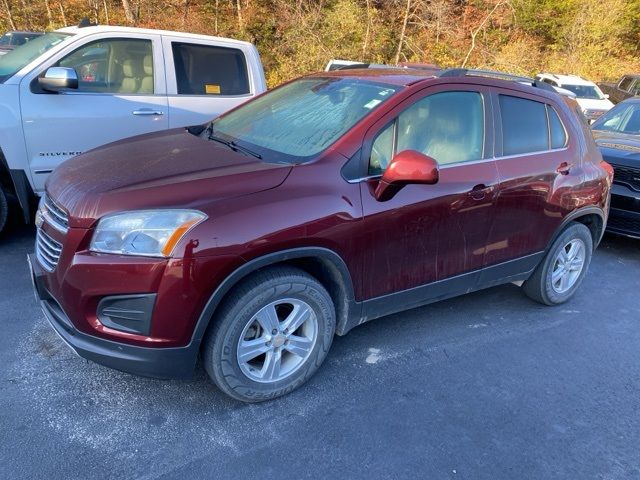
pixel 19 185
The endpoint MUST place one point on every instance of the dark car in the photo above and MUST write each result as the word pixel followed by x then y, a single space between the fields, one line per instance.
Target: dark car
pixel 628 86
pixel 330 201
pixel 617 134
pixel 11 40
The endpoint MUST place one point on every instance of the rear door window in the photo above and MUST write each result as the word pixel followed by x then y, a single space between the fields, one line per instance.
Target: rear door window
pixel 209 70
pixel 525 128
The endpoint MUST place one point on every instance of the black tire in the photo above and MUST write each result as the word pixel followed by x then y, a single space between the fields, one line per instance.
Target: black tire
pixel 220 348
pixel 539 286
pixel 4 209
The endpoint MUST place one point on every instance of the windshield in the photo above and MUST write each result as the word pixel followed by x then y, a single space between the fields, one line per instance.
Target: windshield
pixel 585 91
pixel 302 118
pixel 5 39
pixel 15 60
pixel 623 118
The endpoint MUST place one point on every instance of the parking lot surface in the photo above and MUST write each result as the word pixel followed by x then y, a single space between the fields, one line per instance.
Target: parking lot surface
pixel 490 385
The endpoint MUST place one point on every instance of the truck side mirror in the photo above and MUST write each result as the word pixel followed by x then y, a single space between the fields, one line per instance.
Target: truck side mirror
pixel 408 166
pixel 58 78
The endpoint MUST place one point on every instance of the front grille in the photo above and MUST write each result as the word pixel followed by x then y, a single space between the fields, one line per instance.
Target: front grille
pixel 627 175
pixel 625 224
pixel 47 251
pixel 56 215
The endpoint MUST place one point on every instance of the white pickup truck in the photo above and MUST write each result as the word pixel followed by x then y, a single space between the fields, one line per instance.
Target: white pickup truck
pixel 77 88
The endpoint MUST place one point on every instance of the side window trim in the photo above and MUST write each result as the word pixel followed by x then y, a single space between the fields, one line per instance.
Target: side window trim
pixel 171 72
pixel 498 143
pixel 564 127
pixel 488 140
pixel 159 87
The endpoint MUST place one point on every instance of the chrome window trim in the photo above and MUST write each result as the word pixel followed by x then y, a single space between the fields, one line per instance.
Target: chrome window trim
pixel 473 162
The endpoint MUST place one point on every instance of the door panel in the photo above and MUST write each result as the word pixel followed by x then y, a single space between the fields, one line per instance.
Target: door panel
pixel 427 233
pixel 536 191
pixel 60 126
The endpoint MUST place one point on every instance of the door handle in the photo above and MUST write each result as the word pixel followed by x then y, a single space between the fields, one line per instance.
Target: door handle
pixel 564 168
pixel 480 191
pixel 147 111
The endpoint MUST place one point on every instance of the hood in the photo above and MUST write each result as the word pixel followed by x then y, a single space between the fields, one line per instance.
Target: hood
pixel 594 104
pixel 172 169
pixel 619 148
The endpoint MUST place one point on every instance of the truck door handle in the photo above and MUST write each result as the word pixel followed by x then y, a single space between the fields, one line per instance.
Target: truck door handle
pixel 147 111
pixel 564 168
pixel 480 191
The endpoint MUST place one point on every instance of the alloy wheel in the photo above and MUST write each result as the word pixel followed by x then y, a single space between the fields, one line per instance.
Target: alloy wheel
pixel 568 265
pixel 277 340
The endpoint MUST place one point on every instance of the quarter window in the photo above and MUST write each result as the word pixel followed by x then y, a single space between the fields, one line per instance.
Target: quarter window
pixel 209 70
pixel 558 133
pixel 122 66
pixel 447 126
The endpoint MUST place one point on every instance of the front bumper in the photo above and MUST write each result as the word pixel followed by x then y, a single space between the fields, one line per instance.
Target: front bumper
pixel 624 215
pixel 167 362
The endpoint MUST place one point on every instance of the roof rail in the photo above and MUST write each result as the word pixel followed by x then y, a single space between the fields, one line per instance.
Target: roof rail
pixel 464 72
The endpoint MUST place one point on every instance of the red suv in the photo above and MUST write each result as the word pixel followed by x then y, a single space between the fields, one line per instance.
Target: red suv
pixel 325 203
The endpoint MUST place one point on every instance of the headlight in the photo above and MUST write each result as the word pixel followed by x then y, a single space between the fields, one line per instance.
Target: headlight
pixel 152 233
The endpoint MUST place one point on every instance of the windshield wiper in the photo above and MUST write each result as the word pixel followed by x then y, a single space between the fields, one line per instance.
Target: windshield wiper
pixel 234 146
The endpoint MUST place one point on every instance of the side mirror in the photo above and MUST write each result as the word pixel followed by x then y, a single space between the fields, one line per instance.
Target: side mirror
pixel 408 166
pixel 58 78
pixel 606 95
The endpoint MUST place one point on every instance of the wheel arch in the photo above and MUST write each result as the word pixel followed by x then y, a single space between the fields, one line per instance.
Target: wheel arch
pixel 15 183
pixel 594 218
pixel 323 264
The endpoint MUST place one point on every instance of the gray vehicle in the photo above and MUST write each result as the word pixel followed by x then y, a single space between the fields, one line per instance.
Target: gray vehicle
pixel 627 87
pixel 11 40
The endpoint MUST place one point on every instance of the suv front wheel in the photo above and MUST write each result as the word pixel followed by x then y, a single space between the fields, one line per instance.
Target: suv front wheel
pixel 271 335
pixel 561 272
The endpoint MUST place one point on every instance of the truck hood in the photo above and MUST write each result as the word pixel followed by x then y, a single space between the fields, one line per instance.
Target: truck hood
pixel 619 148
pixel 172 169
pixel 594 104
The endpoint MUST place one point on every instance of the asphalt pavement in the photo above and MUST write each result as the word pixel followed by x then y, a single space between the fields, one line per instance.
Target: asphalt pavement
pixel 486 386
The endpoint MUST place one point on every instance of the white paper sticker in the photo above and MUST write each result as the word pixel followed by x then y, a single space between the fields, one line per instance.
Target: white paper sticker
pixel 372 103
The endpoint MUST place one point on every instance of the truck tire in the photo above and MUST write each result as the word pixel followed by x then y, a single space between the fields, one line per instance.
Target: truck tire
pixel 270 335
pixel 4 209
pixel 561 272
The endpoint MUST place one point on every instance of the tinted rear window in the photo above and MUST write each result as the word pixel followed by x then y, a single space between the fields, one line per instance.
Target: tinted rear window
pixel 524 126
pixel 558 133
pixel 209 70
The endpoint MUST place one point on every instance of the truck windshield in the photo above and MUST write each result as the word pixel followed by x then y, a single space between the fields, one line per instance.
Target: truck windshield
pixel 585 91
pixel 15 60
pixel 302 118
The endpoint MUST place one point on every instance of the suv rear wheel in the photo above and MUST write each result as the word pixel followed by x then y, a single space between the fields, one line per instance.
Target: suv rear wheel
pixel 271 335
pixel 561 272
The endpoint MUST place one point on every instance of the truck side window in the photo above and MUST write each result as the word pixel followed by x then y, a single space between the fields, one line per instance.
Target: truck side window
pixel 123 66
pixel 625 83
pixel 209 70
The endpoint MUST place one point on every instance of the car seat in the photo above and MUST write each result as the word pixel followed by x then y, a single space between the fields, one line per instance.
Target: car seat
pixel 130 77
pixel 146 84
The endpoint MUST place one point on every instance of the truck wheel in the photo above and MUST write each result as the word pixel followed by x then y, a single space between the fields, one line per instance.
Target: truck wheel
pixel 4 209
pixel 270 336
pixel 561 272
